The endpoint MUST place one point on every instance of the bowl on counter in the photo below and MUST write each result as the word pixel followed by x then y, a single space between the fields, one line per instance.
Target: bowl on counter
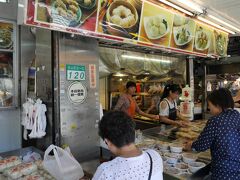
pixel 176 148
pixel 182 167
pixel 171 158
pixel 163 146
pixel 164 151
pixel 195 166
pixel 172 171
pixel 189 157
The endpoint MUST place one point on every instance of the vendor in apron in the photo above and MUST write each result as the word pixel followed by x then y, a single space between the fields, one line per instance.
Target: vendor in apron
pixel 168 111
pixel 127 103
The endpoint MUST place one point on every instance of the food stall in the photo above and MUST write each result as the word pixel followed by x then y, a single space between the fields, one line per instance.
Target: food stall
pixel 155 45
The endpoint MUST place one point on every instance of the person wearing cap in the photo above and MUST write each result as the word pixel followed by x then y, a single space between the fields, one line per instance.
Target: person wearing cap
pixel 127 103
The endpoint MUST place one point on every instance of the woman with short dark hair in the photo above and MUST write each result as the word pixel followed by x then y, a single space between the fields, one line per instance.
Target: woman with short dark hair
pixel 222 136
pixel 118 131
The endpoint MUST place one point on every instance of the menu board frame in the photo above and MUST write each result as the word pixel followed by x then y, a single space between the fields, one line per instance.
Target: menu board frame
pixel 139 22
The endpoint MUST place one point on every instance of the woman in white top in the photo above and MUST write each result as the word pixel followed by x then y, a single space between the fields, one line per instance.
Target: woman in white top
pixel 168 112
pixel 118 131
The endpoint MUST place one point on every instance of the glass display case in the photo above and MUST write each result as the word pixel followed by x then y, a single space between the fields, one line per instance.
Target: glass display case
pixel 8 65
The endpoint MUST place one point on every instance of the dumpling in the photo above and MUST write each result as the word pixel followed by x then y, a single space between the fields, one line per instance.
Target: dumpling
pixel 154 31
pixel 157 21
pixel 116 19
pixel 128 12
pixel 162 28
pixel 131 20
pixel 73 8
pixel 116 11
pixel 87 2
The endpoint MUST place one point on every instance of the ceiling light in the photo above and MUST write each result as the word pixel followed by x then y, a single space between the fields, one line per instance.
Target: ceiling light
pixel 191 5
pixel 223 22
pixel 4 1
pixel 145 59
pixel 215 25
pixel 176 7
pixel 225 81
pixel 119 74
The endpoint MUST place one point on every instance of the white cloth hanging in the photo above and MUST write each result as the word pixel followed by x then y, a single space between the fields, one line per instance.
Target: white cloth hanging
pixel 34 119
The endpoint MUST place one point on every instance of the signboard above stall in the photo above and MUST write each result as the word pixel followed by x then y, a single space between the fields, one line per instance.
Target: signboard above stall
pixel 141 22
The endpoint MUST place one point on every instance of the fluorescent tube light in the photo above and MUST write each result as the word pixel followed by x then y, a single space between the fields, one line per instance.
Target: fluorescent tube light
pixel 145 59
pixel 191 5
pixel 4 1
pixel 215 25
pixel 176 7
pixel 223 22
pixel 119 74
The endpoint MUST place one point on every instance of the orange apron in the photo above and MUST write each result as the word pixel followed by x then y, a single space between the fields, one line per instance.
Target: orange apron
pixel 132 108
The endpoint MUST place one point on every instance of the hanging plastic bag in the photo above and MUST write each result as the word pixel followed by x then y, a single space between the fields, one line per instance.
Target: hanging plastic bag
pixel 62 165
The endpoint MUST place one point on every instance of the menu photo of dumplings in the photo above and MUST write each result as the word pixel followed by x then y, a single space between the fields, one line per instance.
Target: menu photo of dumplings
pixel 183 32
pixel 203 41
pixel 220 43
pixel 67 13
pixel 120 18
pixel 156 25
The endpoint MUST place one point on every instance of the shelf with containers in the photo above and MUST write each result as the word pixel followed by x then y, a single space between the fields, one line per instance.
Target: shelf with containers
pixel 8 65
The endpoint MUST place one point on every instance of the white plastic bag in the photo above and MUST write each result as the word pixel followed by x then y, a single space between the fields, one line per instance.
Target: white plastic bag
pixel 62 165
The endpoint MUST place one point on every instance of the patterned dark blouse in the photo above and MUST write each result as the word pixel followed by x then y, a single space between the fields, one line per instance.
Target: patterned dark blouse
pixel 222 136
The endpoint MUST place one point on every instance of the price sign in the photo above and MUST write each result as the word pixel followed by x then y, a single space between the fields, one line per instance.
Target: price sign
pixel 75 72
pixel 77 92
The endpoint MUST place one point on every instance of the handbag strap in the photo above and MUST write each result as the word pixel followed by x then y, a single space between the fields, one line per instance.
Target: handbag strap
pixel 150 172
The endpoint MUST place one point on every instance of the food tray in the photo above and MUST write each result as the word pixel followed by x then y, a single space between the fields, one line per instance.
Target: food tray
pixel 22 152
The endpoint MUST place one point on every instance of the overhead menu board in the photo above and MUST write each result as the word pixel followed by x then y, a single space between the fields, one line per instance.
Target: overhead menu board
pixel 63 15
pixel 143 22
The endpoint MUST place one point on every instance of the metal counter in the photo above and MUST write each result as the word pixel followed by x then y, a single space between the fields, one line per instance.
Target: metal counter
pixel 145 124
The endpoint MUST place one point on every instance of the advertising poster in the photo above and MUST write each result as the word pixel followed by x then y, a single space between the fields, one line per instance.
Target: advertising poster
pixel 156 25
pixel 183 33
pixel 204 40
pixel 63 14
pixel 119 18
pixel 220 43
pixel 146 23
